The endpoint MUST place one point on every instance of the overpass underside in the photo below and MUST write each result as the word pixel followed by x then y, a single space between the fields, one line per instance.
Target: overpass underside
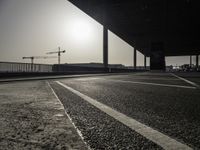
pixel 156 28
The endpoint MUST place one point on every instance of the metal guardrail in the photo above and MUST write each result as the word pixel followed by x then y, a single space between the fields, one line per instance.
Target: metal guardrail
pixel 24 67
pixel 15 67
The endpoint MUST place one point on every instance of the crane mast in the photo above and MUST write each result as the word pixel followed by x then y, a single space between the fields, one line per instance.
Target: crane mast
pixel 59 53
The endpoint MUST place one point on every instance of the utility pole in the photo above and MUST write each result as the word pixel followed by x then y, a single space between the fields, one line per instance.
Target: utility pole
pixel 59 53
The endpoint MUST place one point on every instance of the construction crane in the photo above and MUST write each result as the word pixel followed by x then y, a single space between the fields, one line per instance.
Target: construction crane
pixel 37 57
pixel 57 52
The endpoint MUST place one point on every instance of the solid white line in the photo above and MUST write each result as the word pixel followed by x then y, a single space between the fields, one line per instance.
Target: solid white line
pixel 155 136
pixel 78 131
pixel 54 94
pixel 187 81
pixel 161 79
pixel 157 84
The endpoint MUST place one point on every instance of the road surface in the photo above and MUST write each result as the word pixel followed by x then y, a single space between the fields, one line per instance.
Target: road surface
pixel 167 104
pixel 132 111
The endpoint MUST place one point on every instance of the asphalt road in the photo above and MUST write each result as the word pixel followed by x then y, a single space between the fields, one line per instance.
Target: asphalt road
pixel 164 102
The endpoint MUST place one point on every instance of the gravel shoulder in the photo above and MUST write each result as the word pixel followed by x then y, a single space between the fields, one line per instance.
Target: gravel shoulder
pixel 32 118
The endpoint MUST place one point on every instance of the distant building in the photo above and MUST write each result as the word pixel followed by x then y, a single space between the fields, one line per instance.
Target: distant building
pixel 98 65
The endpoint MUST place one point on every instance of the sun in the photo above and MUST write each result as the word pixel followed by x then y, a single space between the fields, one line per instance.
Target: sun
pixel 81 30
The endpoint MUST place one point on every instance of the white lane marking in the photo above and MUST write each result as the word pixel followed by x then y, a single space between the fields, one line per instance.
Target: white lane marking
pixel 161 79
pixel 86 79
pixel 149 83
pixel 149 133
pixel 78 131
pixel 187 81
pixel 58 115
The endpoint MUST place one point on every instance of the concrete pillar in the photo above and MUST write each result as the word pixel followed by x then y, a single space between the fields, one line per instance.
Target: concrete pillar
pixel 135 58
pixel 105 47
pixel 197 61
pixel 145 61
pixel 190 61
pixel 157 56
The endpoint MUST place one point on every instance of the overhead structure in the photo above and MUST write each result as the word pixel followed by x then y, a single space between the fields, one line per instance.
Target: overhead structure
pixel 156 28
pixel 57 52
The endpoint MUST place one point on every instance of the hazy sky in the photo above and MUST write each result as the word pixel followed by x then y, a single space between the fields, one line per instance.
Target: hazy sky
pixel 34 27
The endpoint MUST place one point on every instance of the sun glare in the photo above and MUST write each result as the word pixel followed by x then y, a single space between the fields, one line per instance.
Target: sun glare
pixel 81 30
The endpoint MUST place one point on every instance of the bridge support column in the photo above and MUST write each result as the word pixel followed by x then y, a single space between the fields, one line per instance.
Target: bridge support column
pixel 190 61
pixel 145 61
pixel 105 47
pixel 134 58
pixel 197 62
pixel 157 56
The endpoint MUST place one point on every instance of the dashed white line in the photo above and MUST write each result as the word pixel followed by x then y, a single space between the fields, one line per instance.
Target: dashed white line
pixel 187 81
pixel 157 137
pixel 157 84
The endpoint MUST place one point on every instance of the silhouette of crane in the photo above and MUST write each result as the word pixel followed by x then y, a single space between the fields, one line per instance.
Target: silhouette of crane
pixel 57 52
pixel 36 57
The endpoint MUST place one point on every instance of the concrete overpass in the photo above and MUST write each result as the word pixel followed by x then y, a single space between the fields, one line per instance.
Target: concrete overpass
pixel 157 28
